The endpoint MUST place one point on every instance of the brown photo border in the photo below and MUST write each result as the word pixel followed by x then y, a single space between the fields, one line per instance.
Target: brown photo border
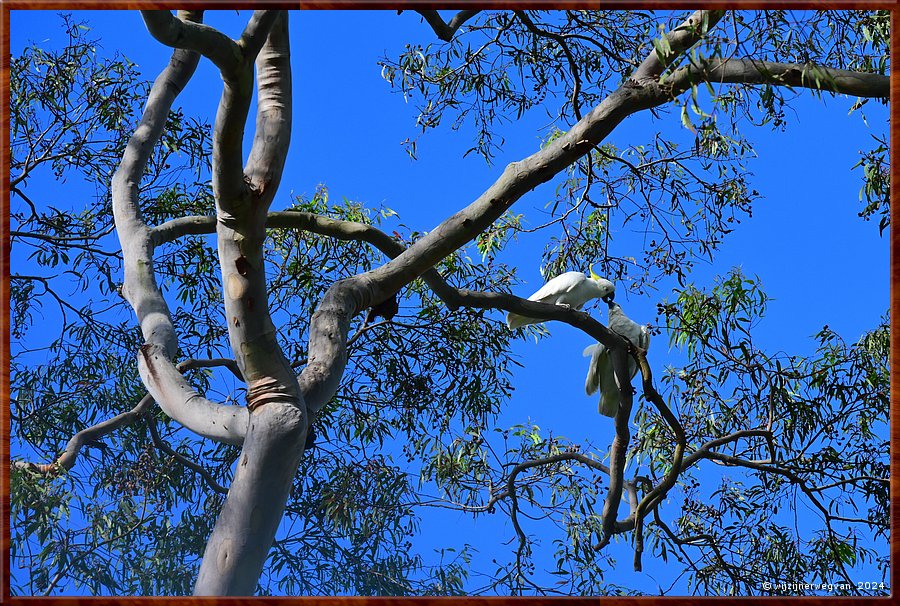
pixel 7 5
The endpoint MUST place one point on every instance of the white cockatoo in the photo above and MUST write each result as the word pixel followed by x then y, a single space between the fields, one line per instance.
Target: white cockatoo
pixel 572 289
pixel 600 372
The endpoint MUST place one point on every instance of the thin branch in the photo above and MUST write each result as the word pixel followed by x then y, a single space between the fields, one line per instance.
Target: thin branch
pixel 163 446
pixel 573 66
pixel 211 363
pixel 850 481
pixel 67 459
pixel 93 433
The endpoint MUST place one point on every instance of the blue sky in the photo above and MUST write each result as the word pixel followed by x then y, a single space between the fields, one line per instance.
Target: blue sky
pixel 818 261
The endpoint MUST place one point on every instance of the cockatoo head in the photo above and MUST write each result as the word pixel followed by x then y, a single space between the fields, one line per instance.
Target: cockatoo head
pixel 605 289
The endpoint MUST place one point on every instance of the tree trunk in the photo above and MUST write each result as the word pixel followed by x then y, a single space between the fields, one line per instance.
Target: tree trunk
pixel 245 529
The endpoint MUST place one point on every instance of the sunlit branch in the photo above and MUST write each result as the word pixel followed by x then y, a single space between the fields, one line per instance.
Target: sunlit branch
pixel 182 34
pixel 67 459
pixel 810 76
pixel 678 40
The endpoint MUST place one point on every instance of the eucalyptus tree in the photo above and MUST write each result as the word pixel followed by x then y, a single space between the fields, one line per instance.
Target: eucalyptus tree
pixel 277 298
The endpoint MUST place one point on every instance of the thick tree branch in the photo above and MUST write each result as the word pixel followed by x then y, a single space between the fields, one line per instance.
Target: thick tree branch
pixel 242 201
pixel 811 76
pixel 273 117
pixel 140 288
pixel 186 35
pixel 257 31
pixel 164 382
pixel 444 30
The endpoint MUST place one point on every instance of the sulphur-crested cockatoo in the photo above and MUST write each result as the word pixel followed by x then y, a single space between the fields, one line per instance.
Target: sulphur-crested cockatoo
pixel 572 289
pixel 600 372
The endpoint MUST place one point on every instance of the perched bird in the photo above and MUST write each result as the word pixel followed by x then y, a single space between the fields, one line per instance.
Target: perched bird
pixel 600 371
pixel 387 309
pixel 628 328
pixel 572 289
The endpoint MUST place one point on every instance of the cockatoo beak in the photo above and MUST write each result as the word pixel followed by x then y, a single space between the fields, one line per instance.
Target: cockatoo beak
pixel 608 299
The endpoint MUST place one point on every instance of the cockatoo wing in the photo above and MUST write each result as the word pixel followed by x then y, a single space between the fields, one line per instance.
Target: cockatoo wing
pixel 644 341
pixel 548 293
pixel 632 367
pixel 592 382
pixel 601 376
pixel 514 321
pixel 631 330
pixel 558 286
pixel 625 326
pixel 609 391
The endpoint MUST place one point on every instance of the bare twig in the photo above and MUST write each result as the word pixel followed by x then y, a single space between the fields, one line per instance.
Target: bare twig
pixel 163 446
pixel 573 66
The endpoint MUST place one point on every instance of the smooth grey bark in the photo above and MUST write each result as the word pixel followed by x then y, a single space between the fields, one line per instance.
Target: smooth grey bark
pixel 811 76
pixel 678 40
pixel 274 442
pixel 254 506
pixel 164 382
pixel 183 34
pixel 445 31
